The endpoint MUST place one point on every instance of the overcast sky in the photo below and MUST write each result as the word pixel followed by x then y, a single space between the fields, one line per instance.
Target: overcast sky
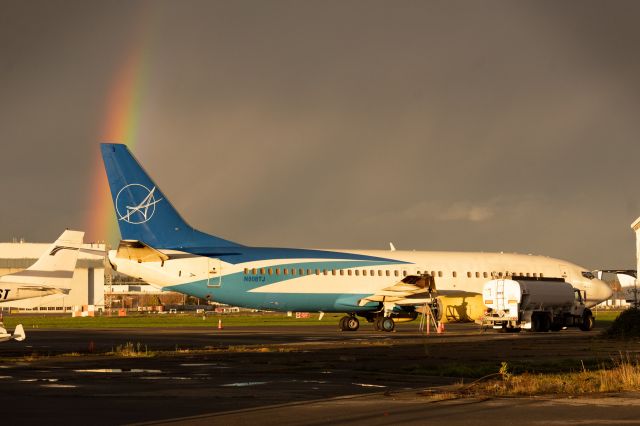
pixel 438 125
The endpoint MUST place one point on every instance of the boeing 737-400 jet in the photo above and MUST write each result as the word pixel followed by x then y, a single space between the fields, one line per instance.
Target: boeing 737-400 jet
pixel 50 274
pixel 159 247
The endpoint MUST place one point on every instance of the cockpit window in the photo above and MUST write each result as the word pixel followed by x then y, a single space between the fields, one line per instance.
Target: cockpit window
pixel 588 274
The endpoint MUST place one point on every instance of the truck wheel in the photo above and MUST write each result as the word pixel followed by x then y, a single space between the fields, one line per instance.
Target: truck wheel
pixel 540 322
pixel 546 323
pixel 555 327
pixel 536 322
pixel 587 321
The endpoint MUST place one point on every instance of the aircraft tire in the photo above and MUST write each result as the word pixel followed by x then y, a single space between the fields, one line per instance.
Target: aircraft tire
pixel 342 324
pixel 352 324
pixel 387 324
pixel 376 324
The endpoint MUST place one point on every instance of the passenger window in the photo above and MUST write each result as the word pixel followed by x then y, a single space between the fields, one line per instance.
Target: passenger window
pixel 349 272
pixel 364 272
pixel 357 273
pixel 262 271
pixel 404 273
pixel 333 272
pixel 396 273
pixel 388 273
pixel 300 271
pixel 373 273
pixel 468 274
pixel 277 271
pixel 379 272
pixel 477 274
pixel 324 271
pixel 499 274
pixel 293 271
pixel 246 271
pixel 285 271
pixel 433 273
pixel 535 274
pixel 453 274
pixel 541 275
pixel 254 271
pixel 440 273
pixel 485 275
pixel 270 271
pixel 317 271
pixel 341 271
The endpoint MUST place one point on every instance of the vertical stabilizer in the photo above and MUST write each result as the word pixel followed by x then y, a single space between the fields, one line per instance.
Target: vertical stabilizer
pixel 143 211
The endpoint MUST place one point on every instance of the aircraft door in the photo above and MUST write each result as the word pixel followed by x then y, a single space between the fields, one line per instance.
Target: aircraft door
pixel 563 271
pixel 214 273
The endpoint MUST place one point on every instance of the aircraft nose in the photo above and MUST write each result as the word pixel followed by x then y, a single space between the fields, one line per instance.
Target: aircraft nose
pixel 602 291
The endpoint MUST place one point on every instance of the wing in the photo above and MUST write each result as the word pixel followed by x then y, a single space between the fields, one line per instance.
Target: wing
pixel 411 290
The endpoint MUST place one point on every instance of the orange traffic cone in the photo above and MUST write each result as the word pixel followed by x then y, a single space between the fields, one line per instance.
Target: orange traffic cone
pixel 219 324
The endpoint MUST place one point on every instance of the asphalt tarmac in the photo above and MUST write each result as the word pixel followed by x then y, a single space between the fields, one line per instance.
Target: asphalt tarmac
pixel 285 375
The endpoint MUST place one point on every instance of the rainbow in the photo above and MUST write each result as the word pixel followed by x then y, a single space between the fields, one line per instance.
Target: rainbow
pixel 122 125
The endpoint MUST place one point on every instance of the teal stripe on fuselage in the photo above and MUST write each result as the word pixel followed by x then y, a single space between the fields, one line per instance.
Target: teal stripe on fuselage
pixel 235 289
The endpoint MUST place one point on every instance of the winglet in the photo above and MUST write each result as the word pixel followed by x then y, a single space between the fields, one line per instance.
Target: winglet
pixel 392 247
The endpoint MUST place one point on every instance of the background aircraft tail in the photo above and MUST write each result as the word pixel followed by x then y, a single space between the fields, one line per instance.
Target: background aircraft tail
pixel 143 211
pixel 55 267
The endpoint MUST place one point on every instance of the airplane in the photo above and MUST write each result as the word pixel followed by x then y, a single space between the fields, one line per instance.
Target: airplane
pixel 18 334
pixel 161 248
pixel 51 274
pixel 627 280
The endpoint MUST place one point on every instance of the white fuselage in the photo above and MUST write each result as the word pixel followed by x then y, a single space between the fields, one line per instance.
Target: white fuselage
pixel 336 280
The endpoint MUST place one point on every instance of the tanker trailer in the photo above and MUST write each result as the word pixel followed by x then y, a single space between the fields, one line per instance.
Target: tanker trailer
pixel 538 305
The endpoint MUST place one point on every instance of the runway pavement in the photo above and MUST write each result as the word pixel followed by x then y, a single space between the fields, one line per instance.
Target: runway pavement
pixel 257 375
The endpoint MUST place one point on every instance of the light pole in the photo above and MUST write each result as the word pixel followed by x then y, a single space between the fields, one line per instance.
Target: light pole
pixel 636 227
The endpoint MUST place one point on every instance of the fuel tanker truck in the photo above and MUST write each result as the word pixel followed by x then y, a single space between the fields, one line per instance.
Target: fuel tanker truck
pixel 521 303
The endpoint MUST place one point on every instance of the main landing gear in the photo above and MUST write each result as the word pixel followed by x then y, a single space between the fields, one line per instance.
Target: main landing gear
pixel 349 323
pixel 384 324
pixel 380 323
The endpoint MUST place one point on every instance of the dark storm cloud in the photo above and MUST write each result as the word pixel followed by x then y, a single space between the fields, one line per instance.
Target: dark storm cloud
pixel 491 125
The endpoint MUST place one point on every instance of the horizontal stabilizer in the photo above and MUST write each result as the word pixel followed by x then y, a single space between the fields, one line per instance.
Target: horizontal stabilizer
pixel 55 267
pixel 32 302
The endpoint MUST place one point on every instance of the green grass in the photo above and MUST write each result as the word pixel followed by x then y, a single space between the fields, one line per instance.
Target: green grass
pixel 605 318
pixel 145 320
pixel 166 320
